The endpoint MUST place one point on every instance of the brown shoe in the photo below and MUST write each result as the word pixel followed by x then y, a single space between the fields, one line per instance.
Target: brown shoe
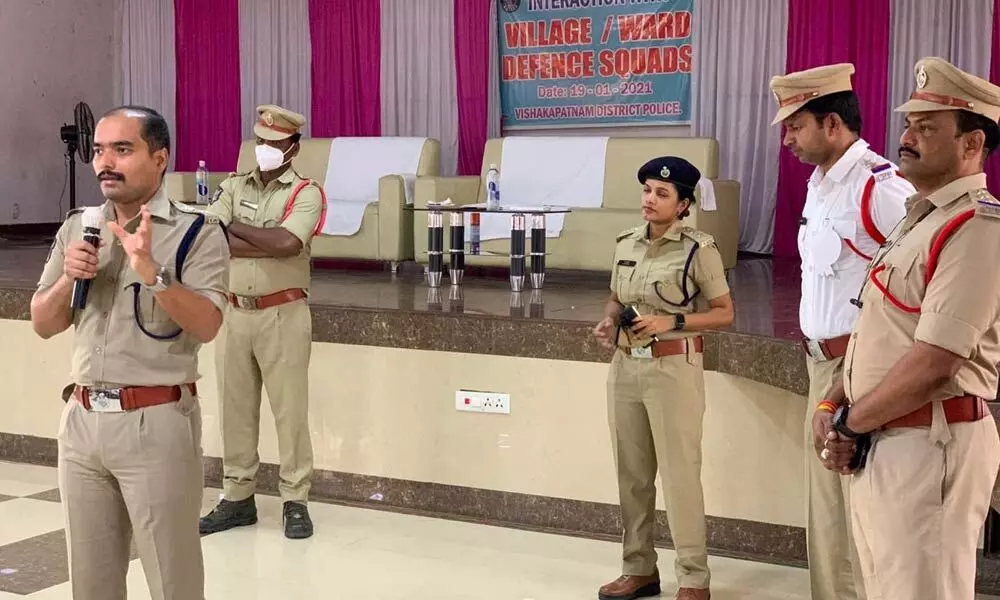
pixel 630 587
pixel 693 594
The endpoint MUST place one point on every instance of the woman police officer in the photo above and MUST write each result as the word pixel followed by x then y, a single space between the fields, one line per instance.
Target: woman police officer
pixel 667 285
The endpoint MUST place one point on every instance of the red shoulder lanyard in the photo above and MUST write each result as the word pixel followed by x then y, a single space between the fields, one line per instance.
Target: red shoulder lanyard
pixel 291 204
pixel 866 218
pixel 932 260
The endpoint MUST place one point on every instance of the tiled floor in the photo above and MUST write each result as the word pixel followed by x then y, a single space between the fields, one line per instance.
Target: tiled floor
pixel 766 291
pixel 356 553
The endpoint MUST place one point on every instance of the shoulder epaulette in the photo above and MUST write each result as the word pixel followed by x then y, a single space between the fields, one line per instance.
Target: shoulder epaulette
pixel 75 211
pixel 194 210
pixel 871 160
pixel 186 207
pixel 628 232
pixel 986 204
pixel 883 172
pixel 699 237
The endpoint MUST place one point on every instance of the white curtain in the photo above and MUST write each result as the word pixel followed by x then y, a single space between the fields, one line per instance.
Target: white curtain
pixel 958 31
pixel 275 58
pixel 419 92
pixel 735 55
pixel 493 124
pixel 148 62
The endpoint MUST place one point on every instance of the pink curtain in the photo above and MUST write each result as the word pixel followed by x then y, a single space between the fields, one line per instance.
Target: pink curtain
pixel 993 162
pixel 472 67
pixel 346 56
pixel 820 33
pixel 207 41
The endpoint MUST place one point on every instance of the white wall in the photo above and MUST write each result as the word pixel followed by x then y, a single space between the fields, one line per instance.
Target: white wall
pixel 55 53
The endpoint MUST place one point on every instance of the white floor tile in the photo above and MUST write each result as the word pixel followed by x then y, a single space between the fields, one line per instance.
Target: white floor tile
pixel 34 474
pixel 22 518
pixel 12 487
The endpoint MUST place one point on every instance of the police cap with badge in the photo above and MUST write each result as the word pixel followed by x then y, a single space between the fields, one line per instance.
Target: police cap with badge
pixel 943 86
pixel 794 90
pixel 275 123
pixel 675 170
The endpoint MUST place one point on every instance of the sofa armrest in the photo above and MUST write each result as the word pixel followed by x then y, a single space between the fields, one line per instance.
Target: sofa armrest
pixel 461 190
pixel 395 223
pixel 724 222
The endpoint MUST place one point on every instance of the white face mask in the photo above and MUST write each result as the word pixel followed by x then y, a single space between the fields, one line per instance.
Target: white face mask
pixel 269 158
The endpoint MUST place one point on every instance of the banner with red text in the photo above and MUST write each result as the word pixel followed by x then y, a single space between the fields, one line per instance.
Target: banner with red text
pixel 585 63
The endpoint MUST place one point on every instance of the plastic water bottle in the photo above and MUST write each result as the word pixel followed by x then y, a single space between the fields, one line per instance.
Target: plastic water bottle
pixel 493 188
pixel 201 177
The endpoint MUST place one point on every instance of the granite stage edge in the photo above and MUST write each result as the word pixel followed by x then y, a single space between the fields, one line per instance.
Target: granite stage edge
pixel 771 361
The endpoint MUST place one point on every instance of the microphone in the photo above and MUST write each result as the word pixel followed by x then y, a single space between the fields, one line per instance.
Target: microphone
pixel 91 219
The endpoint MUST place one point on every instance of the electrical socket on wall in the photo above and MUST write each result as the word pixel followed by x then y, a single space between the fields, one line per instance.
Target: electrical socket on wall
pixel 486 402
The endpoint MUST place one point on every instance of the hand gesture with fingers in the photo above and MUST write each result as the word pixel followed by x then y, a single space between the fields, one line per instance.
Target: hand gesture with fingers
pixel 138 246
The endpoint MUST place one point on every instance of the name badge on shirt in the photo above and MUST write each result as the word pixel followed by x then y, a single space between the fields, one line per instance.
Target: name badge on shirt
pixel 248 204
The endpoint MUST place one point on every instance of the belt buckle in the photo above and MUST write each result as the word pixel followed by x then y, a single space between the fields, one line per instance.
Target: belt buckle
pixel 643 352
pixel 106 401
pixel 815 349
pixel 246 302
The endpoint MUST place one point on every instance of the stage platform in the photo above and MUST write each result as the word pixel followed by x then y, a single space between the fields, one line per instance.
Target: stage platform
pixel 352 301
pixel 367 305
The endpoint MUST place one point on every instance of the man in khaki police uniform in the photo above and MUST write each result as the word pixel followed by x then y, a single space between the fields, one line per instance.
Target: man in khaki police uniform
pixel 854 199
pixel 924 354
pixel 673 276
pixel 130 434
pixel 272 214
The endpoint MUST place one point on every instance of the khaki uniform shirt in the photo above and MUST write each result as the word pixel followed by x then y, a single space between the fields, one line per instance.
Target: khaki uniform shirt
pixel 958 309
pixel 109 349
pixel 244 199
pixel 649 274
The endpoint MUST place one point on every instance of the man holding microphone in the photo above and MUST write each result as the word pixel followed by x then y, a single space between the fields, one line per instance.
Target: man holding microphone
pixel 130 435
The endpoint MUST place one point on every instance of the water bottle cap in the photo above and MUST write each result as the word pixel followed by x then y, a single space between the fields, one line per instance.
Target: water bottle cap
pixel 201 163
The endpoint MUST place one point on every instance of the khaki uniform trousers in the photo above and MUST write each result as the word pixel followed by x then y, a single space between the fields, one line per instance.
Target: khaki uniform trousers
pixel 270 348
pixel 133 475
pixel 834 570
pixel 918 507
pixel 655 410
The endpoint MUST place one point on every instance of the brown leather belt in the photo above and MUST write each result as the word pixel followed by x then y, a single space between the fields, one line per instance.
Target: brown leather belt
pixel 674 347
pixel 827 349
pixel 129 398
pixel 268 301
pixel 963 409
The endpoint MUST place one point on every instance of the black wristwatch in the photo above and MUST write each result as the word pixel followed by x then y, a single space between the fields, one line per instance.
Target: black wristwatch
pixel 840 422
pixel 678 322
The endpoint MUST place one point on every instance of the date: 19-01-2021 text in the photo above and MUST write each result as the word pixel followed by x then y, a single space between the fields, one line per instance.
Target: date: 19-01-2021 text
pixel 579 90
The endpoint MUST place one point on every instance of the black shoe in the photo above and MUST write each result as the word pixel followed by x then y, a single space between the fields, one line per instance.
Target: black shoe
pixel 298 525
pixel 228 514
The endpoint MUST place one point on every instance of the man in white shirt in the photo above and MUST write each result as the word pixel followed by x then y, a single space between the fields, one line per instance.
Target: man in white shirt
pixel 855 199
